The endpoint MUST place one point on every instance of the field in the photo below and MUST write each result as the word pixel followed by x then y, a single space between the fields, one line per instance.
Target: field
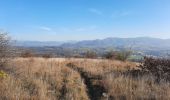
pixel 77 79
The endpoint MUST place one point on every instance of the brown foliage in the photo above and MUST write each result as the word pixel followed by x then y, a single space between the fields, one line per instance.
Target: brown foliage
pixel 27 53
pixel 159 67
pixel 52 79
pixel 42 79
pixel 47 55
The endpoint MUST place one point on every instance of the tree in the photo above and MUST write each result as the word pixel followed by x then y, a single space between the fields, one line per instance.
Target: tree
pixel 123 55
pixel 110 55
pixel 5 48
pixel 90 54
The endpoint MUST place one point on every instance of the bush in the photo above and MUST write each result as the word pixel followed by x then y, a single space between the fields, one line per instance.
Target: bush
pixel 123 55
pixel 3 74
pixel 77 55
pixel 90 54
pixel 26 54
pixel 118 55
pixel 5 48
pixel 110 55
pixel 159 67
pixel 47 55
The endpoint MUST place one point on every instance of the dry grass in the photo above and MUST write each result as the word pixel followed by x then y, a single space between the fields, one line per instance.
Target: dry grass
pixel 121 87
pixel 52 79
pixel 42 79
pixel 102 66
pixel 136 89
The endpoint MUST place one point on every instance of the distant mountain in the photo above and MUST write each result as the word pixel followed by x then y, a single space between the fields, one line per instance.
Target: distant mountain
pixel 140 46
pixel 40 43
pixel 140 43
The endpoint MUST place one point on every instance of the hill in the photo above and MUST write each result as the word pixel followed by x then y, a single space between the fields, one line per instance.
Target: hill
pixel 140 43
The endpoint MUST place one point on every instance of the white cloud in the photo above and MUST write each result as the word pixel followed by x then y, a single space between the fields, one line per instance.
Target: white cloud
pixel 98 12
pixel 45 28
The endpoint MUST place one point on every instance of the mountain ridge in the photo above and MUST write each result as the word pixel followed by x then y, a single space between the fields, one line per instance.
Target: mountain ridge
pixel 136 43
pixel 139 42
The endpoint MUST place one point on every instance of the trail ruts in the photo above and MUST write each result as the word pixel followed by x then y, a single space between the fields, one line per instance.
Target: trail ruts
pixel 95 91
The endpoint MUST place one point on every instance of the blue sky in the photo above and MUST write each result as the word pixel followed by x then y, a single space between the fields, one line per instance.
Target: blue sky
pixel 60 20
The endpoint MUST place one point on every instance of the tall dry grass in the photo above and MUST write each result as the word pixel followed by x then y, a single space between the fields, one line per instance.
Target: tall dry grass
pixel 102 66
pixel 52 79
pixel 144 88
pixel 42 79
pixel 121 86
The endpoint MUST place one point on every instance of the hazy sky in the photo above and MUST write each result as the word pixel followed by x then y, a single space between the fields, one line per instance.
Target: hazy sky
pixel 57 20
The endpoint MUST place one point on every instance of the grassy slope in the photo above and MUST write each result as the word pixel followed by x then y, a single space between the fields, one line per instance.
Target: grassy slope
pixel 38 78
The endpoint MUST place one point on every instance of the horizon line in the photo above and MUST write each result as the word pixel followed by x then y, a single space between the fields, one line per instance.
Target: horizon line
pixel 90 39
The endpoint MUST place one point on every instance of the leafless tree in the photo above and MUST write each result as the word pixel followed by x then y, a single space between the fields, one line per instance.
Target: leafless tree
pixel 5 48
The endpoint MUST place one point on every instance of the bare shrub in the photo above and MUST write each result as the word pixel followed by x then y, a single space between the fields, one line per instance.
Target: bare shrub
pixel 77 55
pixel 5 48
pixel 48 55
pixel 159 67
pixel 27 53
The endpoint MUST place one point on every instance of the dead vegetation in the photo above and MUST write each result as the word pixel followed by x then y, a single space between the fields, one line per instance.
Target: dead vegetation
pixel 159 67
pixel 117 80
pixel 42 79
pixel 78 79
pixel 6 51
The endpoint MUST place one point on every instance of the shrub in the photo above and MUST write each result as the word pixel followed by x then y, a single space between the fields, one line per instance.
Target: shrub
pixel 77 55
pixel 123 55
pixel 47 55
pixel 3 74
pixel 90 54
pixel 27 54
pixel 110 55
pixel 159 67
pixel 5 48
pixel 118 55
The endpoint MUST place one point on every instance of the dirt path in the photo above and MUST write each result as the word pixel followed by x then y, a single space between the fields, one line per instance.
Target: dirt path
pixel 95 91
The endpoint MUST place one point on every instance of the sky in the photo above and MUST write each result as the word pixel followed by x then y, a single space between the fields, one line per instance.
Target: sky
pixel 62 20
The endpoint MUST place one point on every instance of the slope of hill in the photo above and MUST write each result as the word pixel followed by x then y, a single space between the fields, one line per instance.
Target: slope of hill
pixel 37 43
pixel 140 43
